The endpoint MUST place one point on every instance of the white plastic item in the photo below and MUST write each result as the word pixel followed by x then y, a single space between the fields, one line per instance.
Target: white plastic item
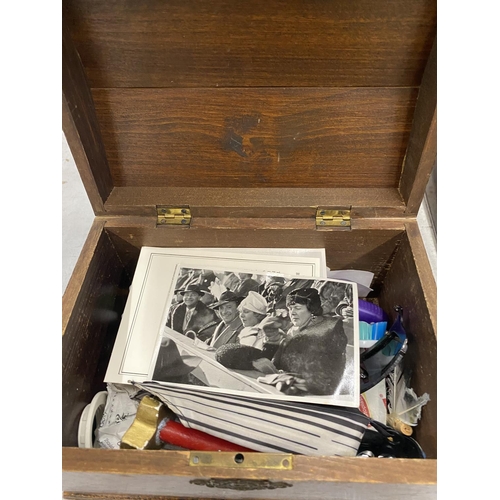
pixel 366 344
pixel 91 413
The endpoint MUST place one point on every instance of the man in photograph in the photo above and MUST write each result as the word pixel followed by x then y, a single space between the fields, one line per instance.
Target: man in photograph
pixel 246 284
pixel 192 316
pixel 227 330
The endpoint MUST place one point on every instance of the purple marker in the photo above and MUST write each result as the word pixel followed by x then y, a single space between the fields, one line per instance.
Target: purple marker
pixel 371 313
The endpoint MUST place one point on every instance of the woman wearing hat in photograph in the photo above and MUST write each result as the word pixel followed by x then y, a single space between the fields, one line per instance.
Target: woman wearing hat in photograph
pixel 253 309
pixel 315 345
pixel 311 355
pixel 252 343
pixel 192 315
pixel 228 329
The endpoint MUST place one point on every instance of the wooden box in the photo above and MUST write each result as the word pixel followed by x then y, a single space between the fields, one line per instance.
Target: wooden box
pixel 253 115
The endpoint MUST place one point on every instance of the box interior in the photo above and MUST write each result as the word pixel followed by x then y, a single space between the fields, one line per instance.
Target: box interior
pixel 390 254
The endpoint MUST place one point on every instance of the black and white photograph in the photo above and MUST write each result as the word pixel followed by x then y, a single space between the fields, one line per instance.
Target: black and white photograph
pixel 154 285
pixel 273 336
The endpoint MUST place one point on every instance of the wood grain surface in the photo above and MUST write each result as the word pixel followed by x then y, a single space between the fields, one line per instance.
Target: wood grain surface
pixel 410 283
pixel 256 202
pixel 80 270
pixel 371 249
pixel 81 127
pixel 322 94
pixel 92 307
pixel 192 43
pixel 330 469
pixel 422 146
pixel 255 137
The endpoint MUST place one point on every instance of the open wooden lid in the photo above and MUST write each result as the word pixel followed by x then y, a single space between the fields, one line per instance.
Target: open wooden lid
pixel 240 105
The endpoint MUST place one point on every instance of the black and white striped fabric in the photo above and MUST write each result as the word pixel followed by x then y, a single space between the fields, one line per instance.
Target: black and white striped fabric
pixel 263 425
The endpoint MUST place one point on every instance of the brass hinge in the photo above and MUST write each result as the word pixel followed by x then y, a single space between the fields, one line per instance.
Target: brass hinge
pixel 173 216
pixel 333 218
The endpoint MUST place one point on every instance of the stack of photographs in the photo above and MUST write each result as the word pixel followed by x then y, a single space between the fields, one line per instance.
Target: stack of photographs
pixel 236 341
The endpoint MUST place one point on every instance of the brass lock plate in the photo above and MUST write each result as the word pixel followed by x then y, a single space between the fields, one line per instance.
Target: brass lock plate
pixel 244 460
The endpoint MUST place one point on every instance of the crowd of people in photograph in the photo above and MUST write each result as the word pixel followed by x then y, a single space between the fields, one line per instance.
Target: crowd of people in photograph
pixel 298 327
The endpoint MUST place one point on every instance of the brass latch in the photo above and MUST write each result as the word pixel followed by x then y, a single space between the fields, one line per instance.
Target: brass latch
pixel 333 218
pixel 244 460
pixel 173 216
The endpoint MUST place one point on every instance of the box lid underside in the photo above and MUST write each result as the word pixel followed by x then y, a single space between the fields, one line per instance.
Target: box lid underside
pixel 307 96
